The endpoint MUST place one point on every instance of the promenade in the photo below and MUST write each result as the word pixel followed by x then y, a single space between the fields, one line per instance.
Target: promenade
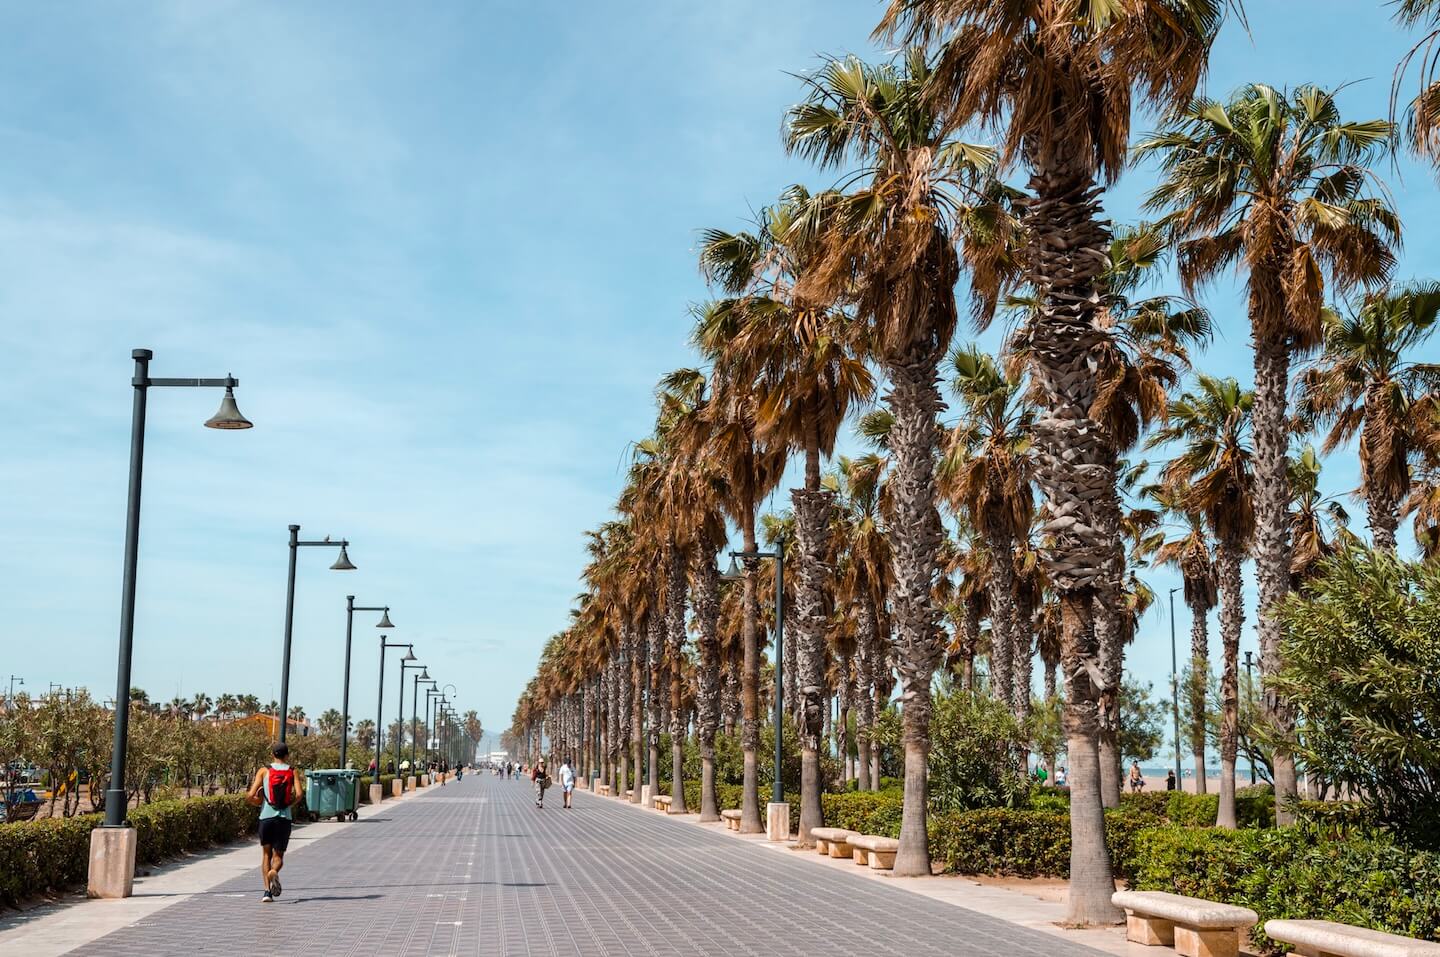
pixel 475 869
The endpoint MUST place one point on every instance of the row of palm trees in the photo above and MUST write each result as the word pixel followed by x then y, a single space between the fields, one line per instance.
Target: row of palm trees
pixel 977 160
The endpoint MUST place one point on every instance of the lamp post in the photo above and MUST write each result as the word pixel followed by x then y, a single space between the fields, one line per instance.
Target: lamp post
pixel 777 792
pixel 1175 687
pixel 1250 680
pixel 342 564
pixel 14 680
pixel 424 675
pixel 350 609
pixel 407 662
pixel 112 859
pixel 380 698
pixel 430 711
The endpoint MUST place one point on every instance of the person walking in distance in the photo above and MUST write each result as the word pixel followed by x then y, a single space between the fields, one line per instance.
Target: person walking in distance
pixel 567 781
pixel 542 781
pixel 275 790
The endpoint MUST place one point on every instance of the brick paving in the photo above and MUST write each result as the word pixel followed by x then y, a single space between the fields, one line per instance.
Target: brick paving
pixel 475 869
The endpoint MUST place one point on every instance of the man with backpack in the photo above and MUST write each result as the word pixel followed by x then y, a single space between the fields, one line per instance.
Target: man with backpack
pixel 275 790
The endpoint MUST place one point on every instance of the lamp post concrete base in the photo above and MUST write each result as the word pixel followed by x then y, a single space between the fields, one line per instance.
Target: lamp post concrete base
pixel 112 862
pixel 377 794
pixel 397 787
pixel 777 822
pixel 645 796
pixel 410 783
pixel 424 781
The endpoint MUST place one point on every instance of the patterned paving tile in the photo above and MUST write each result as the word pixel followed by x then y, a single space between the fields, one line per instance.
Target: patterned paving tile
pixel 475 869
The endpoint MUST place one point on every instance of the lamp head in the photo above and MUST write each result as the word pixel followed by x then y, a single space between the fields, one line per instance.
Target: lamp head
pixel 409 655
pixel 228 417
pixel 424 674
pixel 733 573
pixel 342 564
pixel 385 620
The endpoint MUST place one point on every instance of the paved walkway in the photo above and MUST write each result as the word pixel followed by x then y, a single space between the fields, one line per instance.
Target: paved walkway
pixel 475 868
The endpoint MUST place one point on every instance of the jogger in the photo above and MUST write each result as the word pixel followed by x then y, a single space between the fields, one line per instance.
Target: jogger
pixel 275 790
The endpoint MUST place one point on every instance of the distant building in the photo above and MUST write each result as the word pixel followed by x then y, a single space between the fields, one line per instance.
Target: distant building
pixel 271 724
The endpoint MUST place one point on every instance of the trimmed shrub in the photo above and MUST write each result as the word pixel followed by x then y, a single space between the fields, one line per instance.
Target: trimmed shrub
pixel 1028 843
pixel 1254 807
pixel 1297 872
pixel 868 812
pixel 1151 802
pixel 51 854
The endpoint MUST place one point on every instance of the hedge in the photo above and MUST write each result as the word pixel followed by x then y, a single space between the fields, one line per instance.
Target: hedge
pixel 365 782
pixel 1297 872
pixel 54 853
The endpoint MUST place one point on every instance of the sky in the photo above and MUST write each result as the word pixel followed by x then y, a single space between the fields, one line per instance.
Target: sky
pixel 448 250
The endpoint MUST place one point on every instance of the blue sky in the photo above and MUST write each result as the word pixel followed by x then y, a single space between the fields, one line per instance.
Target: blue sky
pixel 448 250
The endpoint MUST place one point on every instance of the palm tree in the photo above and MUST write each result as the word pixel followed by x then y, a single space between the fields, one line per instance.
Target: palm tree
pixel 1423 117
pixel 985 476
pixel 888 248
pixel 1057 80
pixel 1364 383
pixel 1318 523
pixel 862 583
pixel 201 705
pixel 808 372
pixel 1212 475
pixel 750 466
pixel 1278 185
pixel 1189 551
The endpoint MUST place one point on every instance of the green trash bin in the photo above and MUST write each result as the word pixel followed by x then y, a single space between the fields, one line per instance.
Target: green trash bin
pixel 331 793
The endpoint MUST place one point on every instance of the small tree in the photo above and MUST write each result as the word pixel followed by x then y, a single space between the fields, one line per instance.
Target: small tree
pixel 1361 646
pixel 976 744
pixel 1142 721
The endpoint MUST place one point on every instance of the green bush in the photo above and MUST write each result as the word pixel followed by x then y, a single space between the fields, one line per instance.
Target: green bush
pixel 366 781
pixel 1151 802
pixel 1254 807
pixel 1002 841
pixel 50 854
pixel 868 812
pixel 1297 872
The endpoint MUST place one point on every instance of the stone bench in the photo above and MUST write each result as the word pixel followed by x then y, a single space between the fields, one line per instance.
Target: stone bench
pixel 662 803
pixel 834 841
pixel 878 852
pixel 602 789
pixel 1324 938
pixel 1194 927
pixel 731 817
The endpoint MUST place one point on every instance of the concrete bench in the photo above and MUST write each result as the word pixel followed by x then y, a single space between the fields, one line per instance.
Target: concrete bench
pixel 731 817
pixel 1194 927
pixel 602 789
pixel 629 793
pixel 662 803
pixel 878 852
pixel 834 841
pixel 1324 938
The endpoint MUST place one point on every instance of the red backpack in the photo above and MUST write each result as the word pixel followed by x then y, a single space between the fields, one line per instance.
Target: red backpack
pixel 280 787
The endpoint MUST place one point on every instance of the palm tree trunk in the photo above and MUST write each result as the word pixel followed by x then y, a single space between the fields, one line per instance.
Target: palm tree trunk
pixel 750 822
pixel 655 639
pixel 812 536
pixel 1109 640
pixel 1022 657
pixel 1232 618
pixel 866 640
pixel 1271 434
pixel 1199 678
pixel 636 677
pixel 623 708
pixel 675 587
pixel 1001 586
pixel 1072 467
pixel 707 698
pixel 915 538
pixel 1381 511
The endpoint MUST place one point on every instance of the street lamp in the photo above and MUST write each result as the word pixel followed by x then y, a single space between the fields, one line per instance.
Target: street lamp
pixel 350 609
pixel 14 680
pixel 380 698
pixel 1175 689
pixel 415 710
pixel 777 792
pixel 342 564
pixel 431 712
pixel 116 855
pixel 406 662
pixel 1250 694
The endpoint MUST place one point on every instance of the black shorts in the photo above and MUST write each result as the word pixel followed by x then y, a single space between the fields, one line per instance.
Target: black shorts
pixel 275 833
